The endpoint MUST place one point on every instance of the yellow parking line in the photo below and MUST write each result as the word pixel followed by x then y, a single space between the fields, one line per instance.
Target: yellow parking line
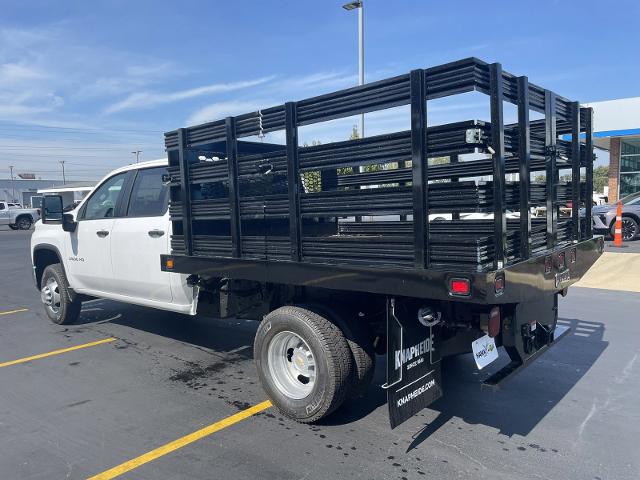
pixel 18 310
pixel 181 442
pixel 56 352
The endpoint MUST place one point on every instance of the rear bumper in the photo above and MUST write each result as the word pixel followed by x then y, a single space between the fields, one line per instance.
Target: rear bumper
pixel 502 376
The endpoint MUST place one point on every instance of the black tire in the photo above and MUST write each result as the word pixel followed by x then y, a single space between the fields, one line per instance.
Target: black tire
pixel 333 362
pixel 24 222
pixel 630 228
pixel 66 311
pixel 360 343
pixel 364 358
pixel 13 227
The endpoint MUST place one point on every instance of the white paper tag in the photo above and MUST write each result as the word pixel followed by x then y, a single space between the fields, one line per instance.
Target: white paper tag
pixel 484 351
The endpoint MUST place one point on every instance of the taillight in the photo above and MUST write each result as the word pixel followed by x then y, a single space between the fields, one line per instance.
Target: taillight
pixel 548 263
pixel 493 329
pixel 498 285
pixel 573 254
pixel 459 286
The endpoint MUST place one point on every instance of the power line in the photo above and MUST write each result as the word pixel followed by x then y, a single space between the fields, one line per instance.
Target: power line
pixel 76 129
pixel 58 147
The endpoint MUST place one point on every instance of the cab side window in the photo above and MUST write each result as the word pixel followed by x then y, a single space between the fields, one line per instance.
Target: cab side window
pixel 150 194
pixel 103 201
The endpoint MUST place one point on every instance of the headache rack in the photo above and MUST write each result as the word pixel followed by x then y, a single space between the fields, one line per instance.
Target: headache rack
pixel 377 202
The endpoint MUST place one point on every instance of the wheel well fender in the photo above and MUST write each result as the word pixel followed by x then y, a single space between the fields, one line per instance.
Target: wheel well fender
pixel 43 256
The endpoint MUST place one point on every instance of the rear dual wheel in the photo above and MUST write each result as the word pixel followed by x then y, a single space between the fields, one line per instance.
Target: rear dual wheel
pixel 305 363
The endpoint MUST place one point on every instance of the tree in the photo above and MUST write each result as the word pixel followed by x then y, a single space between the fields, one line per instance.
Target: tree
pixel 600 178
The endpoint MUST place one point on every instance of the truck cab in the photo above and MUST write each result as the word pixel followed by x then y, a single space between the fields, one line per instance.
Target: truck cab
pixel 109 246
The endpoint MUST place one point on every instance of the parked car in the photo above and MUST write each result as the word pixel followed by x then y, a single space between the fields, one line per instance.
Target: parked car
pixel 17 218
pixel 604 217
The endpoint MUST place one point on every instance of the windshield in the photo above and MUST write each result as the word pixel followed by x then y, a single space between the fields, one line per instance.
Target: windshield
pixel 633 199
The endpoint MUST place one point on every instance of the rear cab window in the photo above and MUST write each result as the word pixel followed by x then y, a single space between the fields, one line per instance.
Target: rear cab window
pixel 150 193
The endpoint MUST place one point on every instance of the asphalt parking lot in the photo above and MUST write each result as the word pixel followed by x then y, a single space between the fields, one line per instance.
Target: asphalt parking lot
pixel 156 377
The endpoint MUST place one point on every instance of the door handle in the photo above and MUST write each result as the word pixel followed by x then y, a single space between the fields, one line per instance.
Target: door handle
pixel 156 233
pixel 102 233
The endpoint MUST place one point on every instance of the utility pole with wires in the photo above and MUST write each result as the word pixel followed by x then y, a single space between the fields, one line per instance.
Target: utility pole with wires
pixel 13 187
pixel 64 179
pixel 137 154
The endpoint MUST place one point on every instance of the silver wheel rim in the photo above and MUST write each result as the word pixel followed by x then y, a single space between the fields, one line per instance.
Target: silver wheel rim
pixel 628 229
pixel 292 365
pixel 50 295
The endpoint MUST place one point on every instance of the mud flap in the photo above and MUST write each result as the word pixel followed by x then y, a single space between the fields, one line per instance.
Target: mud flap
pixel 413 364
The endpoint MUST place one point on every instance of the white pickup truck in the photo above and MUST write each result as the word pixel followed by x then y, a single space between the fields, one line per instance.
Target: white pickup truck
pixel 17 218
pixel 109 246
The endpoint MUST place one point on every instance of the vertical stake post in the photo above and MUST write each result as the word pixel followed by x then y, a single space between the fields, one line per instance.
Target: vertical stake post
pixel 185 191
pixel 588 160
pixel 576 195
pixel 524 174
pixel 551 168
pixel 497 143
pixel 234 194
pixel 419 166
pixel 293 180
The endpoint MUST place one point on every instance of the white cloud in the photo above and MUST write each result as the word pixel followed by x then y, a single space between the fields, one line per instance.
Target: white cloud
pixel 219 110
pixel 150 99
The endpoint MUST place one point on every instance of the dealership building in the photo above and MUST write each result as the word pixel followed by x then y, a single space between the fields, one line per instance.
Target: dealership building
pixel 616 128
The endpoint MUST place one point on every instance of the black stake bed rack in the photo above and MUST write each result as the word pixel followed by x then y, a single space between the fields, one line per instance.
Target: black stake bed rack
pixel 379 208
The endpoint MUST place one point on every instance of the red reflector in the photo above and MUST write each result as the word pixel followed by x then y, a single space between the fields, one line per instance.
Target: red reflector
pixel 459 286
pixel 494 322
pixel 499 285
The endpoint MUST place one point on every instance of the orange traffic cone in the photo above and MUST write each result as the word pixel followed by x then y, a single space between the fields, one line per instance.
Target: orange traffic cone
pixel 617 237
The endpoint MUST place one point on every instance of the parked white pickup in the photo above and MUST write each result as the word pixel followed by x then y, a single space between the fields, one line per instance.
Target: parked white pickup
pixel 17 218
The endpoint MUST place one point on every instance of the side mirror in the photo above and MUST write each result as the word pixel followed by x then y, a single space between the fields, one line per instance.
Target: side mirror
pixel 52 209
pixel 68 223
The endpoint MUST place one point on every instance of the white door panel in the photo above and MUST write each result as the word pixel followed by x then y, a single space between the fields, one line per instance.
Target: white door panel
pixel 136 246
pixel 88 255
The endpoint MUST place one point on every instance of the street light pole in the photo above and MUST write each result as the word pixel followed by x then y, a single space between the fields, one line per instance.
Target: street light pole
pixel 64 179
pixel 361 56
pixel 359 4
pixel 13 187
pixel 137 154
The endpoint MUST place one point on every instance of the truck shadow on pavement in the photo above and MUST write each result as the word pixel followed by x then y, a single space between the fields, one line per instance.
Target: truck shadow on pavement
pixel 224 336
pixel 515 409
pixel 521 404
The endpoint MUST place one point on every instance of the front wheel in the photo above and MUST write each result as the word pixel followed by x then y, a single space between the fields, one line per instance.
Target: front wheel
pixel 304 363
pixel 630 228
pixel 55 295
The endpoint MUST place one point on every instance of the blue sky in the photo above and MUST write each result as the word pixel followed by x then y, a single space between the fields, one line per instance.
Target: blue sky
pixel 88 82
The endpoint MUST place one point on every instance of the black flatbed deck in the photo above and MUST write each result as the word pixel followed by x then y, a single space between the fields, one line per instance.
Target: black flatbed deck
pixel 375 214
